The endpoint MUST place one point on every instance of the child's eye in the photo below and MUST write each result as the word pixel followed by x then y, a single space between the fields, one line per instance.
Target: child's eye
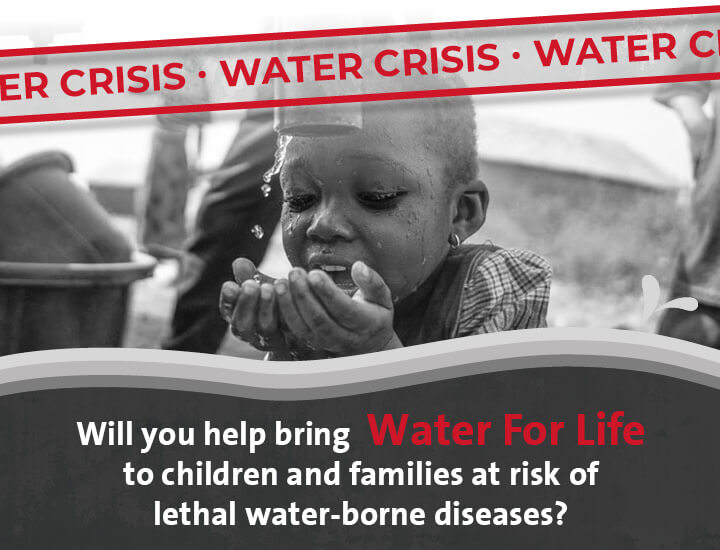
pixel 380 200
pixel 298 203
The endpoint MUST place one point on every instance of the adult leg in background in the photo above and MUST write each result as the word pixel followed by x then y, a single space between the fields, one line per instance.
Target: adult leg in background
pixel 223 232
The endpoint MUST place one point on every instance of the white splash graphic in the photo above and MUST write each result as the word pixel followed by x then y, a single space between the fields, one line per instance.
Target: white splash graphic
pixel 651 299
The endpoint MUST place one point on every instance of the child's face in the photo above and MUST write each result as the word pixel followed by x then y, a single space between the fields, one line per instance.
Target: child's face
pixel 378 195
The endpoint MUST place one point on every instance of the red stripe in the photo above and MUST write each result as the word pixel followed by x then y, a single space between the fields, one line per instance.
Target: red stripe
pixel 481 90
pixel 360 31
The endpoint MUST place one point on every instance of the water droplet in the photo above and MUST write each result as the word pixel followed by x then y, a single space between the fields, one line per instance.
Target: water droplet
pixel 339 161
pixel 257 231
pixel 282 144
pixel 257 278
pixel 266 188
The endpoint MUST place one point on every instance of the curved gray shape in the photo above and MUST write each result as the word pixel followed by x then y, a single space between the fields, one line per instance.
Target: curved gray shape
pixel 161 369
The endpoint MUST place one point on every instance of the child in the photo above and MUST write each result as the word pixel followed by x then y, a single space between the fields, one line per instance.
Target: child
pixel 373 222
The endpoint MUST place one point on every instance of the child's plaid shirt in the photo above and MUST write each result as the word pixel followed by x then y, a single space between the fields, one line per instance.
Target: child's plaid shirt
pixel 507 289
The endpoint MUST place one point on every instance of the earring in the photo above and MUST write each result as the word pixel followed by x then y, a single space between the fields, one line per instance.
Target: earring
pixel 454 240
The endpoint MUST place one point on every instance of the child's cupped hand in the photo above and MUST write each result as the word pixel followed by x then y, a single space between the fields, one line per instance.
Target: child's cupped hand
pixel 324 317
pixel 248 305
pixel 311 309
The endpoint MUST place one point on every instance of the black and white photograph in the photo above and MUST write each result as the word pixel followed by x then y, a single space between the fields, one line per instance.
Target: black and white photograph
pixel 329 230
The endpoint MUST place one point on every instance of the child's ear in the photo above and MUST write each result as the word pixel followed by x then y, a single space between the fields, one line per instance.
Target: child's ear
pixel 470 209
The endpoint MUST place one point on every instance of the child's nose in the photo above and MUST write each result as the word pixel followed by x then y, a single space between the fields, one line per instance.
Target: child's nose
pixel 330 223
